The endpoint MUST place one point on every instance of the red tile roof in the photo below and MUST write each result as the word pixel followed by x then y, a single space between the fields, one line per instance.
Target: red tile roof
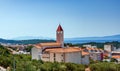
pixel 85 53
pixel 52 44
pixel 116 56
pixel 64 50
pixel 97 49
pixel 59 28
pixel 105 54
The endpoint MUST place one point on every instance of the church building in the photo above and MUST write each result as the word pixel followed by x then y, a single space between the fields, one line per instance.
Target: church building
pixel 56 51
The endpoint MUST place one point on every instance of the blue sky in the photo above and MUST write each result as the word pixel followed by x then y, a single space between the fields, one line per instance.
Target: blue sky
pixel 79 18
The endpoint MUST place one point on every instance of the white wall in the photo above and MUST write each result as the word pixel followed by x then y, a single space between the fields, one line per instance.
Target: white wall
pixel 73 57
pixel 58 57
pixel 107 47
pixel 118 59
pixel 51 57
pixel 85 59
pixel 36 53
pixel 45 57
pixel 95 56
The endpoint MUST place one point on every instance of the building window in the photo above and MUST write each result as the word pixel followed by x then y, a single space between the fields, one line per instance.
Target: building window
pixel 54 57
pixel 83 56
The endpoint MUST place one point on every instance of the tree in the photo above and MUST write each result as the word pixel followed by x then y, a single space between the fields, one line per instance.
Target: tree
pixel 28 49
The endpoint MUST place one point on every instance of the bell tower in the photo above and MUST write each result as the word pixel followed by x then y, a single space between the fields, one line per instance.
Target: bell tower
pixel 60 35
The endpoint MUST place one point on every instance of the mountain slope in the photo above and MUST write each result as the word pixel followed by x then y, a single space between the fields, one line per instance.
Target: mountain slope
pixel 32 41
pixel 30 37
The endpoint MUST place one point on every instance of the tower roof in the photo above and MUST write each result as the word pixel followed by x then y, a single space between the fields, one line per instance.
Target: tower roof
pixel 59 28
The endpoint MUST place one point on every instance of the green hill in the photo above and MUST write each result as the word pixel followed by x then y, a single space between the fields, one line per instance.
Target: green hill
pixel 32 41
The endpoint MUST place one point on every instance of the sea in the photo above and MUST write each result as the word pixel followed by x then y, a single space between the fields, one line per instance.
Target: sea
pixel 87 41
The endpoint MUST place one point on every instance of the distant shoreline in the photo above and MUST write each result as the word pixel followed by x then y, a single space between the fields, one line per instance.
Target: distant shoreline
pixel 87 41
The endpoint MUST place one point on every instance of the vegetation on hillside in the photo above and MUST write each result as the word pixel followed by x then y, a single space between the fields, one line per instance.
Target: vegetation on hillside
pixel 105 66
pixel 28 48
pixel 24 63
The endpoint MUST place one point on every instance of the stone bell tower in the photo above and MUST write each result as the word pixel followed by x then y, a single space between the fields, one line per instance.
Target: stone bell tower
pixel 60 35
